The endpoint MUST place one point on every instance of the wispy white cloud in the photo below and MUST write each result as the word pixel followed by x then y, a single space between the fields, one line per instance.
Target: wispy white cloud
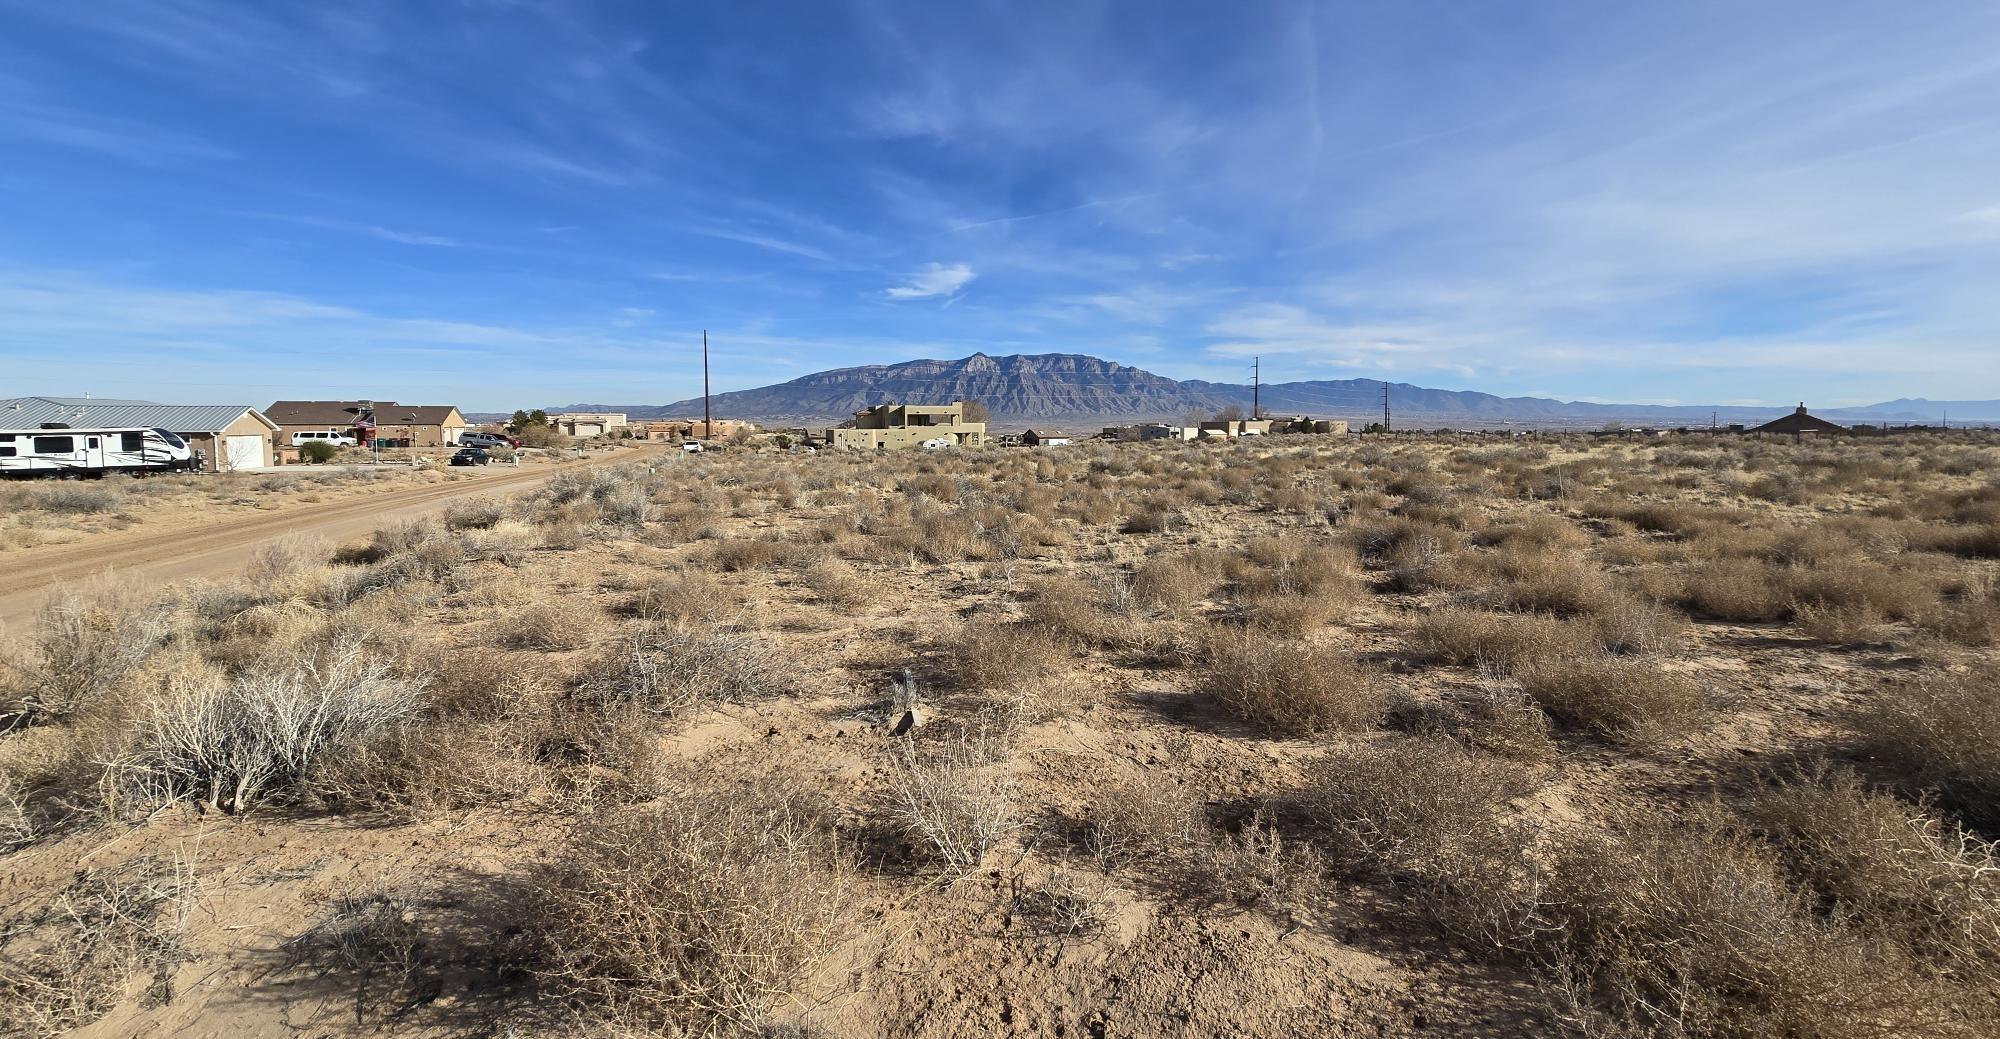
pixel 387 234
pixel 933 281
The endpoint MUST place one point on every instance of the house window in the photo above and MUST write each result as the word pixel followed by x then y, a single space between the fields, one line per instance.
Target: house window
pixel 54 445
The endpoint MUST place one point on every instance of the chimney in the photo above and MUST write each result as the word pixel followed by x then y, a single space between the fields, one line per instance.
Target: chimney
pixel 1802 408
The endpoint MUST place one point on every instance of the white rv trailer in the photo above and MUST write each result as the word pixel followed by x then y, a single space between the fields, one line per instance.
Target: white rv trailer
pixel 59 450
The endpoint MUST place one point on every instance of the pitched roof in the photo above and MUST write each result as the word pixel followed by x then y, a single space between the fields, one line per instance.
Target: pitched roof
pixel 31 412
pixel 1799 422
pixel 342 413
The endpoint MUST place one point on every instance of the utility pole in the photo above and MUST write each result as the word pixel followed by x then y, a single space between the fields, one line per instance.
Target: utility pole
pixel 707 419
pixel 1256 389
pixel 1385 405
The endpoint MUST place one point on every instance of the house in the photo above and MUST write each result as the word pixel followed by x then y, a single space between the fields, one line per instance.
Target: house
pixel 1242 427
pixel 897 427
pixel 1163 431
pixel 1798 423
pixel 229 436
pixel 588 423
pixel 1045 438
pixel 386 422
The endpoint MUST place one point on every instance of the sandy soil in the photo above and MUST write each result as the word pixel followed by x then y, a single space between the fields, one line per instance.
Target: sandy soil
pixel 212 541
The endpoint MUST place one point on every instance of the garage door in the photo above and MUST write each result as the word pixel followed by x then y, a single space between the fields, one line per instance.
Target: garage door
pixel 243 452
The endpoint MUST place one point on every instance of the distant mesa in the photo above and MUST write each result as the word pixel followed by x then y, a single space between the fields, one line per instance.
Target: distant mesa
pixel 1080 390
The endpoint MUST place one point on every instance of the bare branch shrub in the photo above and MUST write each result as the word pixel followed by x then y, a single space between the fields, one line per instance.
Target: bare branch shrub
pixel 701 912
pixel 87 649
pixel 1942 731
pixel 231 743
pixel 949 793
pixel 66 963
pixel 670 667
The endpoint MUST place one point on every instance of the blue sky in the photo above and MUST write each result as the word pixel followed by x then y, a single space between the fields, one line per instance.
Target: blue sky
pixel 505 203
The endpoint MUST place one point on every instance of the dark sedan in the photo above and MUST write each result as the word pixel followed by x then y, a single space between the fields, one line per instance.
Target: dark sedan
pixel 471 456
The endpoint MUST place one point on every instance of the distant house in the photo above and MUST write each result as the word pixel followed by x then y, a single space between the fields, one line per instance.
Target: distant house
pixel 1045 438
pixel 588 423
pixel 1798 423
pixel 229 436
pixel 387 422
pixel 897 427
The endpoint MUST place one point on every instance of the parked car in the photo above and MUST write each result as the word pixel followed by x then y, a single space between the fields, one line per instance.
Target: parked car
pixel 694 447
pixel 328 436
pixel 471 456
pixel 481 438
pixel 939 444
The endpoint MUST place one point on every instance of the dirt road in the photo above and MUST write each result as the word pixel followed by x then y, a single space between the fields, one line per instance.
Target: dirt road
pixel 181 551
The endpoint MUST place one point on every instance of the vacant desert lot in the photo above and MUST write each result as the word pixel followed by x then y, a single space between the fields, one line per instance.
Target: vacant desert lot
pixel 1394 736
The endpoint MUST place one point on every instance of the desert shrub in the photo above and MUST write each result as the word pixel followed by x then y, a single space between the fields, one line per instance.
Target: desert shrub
pixel 1503 642
pixel 1076 611
pixel 1941 731
pixel 687 597
pixel 669 667
pixel 1971 618
pixel 697 913
pixel 1737 590
pixel 1432 815
pixel 1142 821
pixel 75 499
pixel 1891 867
pixel 317 452
pixel 475 514
pixel 951 796
pixel 1497 717
pixel 545 626
pixel 1286 613
pixel 88 647
pixel 1176 583
pixel 835 584
pixel 231 743
pixel 1292 687
pixel 1009 661
pixel 750 554
pixel 1689 928
pixel 1630 700
pixel 1550 582
pixel 68 961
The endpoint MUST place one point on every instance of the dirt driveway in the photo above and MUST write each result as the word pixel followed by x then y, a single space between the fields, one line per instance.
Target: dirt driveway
pixel 157 557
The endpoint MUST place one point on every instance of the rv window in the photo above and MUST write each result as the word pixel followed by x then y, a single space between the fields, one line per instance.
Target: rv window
pixel 93 441
pixel 54 445
pixel 6 438
pixel 173 439
pixel 6 452
pixel 131 441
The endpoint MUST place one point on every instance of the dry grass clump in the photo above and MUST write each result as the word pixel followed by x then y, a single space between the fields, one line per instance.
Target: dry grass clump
pixel 229 743
pixel 1689 928
pixel 1291 687
pixel 750 554
pixel 1018 666
pixel 951 796
pixel 836 584
pixel 1502 642
pixel 1174 582
pixel 1434 816
pixel 669 667
pixel 1077 611
pixel 89 646
pixel 699 913
pixel 476 514
pixel 1891 867
pixel 66 962
pixel 1496 717
pixel 545 626
pixel 1144 821
pixel 1629 700
pixel 682 596
pixel 1941 731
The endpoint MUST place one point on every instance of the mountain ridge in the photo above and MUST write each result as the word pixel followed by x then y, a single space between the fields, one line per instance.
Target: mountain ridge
pixel 1081 388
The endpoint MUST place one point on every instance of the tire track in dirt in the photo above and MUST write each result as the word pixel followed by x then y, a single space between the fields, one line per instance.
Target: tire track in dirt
pixel 215 549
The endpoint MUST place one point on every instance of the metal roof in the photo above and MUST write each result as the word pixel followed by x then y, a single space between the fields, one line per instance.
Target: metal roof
pixel 31 412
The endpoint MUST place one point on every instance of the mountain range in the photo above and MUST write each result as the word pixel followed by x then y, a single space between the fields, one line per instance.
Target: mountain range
pixel 1022 389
